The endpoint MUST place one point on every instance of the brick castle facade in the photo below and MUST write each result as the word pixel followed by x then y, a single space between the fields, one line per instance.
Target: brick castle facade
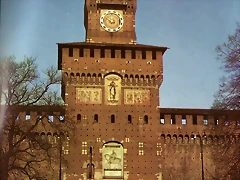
pixel 111 89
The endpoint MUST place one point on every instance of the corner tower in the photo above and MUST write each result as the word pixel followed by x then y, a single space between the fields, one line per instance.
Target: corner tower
pixel 111 88
pixel 110 21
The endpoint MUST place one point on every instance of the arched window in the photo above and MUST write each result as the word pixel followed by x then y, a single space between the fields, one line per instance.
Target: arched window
pixel 112 118
pixel 145 119
pixel 79 117
pixel 129 119
pixel 95 118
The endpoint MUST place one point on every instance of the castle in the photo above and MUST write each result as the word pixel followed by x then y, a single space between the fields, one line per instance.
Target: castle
pixel 111 87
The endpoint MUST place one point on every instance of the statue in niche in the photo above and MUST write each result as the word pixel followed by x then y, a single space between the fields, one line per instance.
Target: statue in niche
pixel 112 90
pixel 113 162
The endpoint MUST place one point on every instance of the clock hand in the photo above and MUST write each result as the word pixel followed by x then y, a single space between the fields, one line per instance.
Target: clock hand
pixel 110 20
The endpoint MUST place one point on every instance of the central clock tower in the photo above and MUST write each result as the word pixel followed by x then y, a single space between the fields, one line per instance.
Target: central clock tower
pixel 108 21
pixel 110 87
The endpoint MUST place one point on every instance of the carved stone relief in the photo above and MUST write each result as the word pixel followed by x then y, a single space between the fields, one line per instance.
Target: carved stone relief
pixel 88 95
pixel 112 158
pixel 136 96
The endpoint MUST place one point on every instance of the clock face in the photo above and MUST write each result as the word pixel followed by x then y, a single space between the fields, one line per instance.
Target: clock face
pixel 111 21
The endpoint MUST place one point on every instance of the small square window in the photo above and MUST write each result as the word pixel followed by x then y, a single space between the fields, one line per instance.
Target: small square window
pixel 65 151
pixel 84 151
pixel 17 118
pixel 127 140
pixel 205 122
pixel 158 153
pixel 140 152
pixel 184 121
pixel 227 123
pixel 50 118
pixel 158 145
pixel 173 119
pixel 67 143
pixel 61 118
pixel 162 121
pixel 140 144
pixel 98 139
pixel 84 144
pixel 28 117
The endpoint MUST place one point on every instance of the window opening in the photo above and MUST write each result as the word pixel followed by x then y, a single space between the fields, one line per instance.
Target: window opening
pixel 127 140
pixel 81 52
pixel 112 118
pixel 216 121
pixel 154 55
pixel 173 119
pixel 162 120
pixel 91 52
pixel 28 117
pixel 102 53
pixel 129 119
pixel 140 152
pixel 227 123
pixel 133 54
pixel 84 144
pixel 61 118
pixel 95 118
pixel 39 115
pixel 112 53
pixel 146 119
pixel 70 52
pixel 84 151
pixel 50 118
pixel 205 120
pixel 143 54
pixel 194 120
pixel 123 56
pixel 79 117
pixel 140 144
pixel 184 120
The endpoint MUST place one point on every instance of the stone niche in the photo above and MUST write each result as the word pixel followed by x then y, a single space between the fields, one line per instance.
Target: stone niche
pixel 112 160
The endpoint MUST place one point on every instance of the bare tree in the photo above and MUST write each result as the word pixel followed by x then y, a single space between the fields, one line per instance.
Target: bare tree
pixel 228 96
pixel 25 153
pixel 227 154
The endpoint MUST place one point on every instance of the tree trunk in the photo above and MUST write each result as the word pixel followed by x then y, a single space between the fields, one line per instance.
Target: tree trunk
pixel 3 169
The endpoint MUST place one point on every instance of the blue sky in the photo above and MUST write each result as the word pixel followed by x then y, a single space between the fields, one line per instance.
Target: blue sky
pixel 190 28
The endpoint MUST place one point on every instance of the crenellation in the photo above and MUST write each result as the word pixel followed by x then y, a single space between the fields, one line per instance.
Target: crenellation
pixel 128 54
pixel 137 54
pixel 75 53
pixel 86 52
pixel 110 85
pixel 149 55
